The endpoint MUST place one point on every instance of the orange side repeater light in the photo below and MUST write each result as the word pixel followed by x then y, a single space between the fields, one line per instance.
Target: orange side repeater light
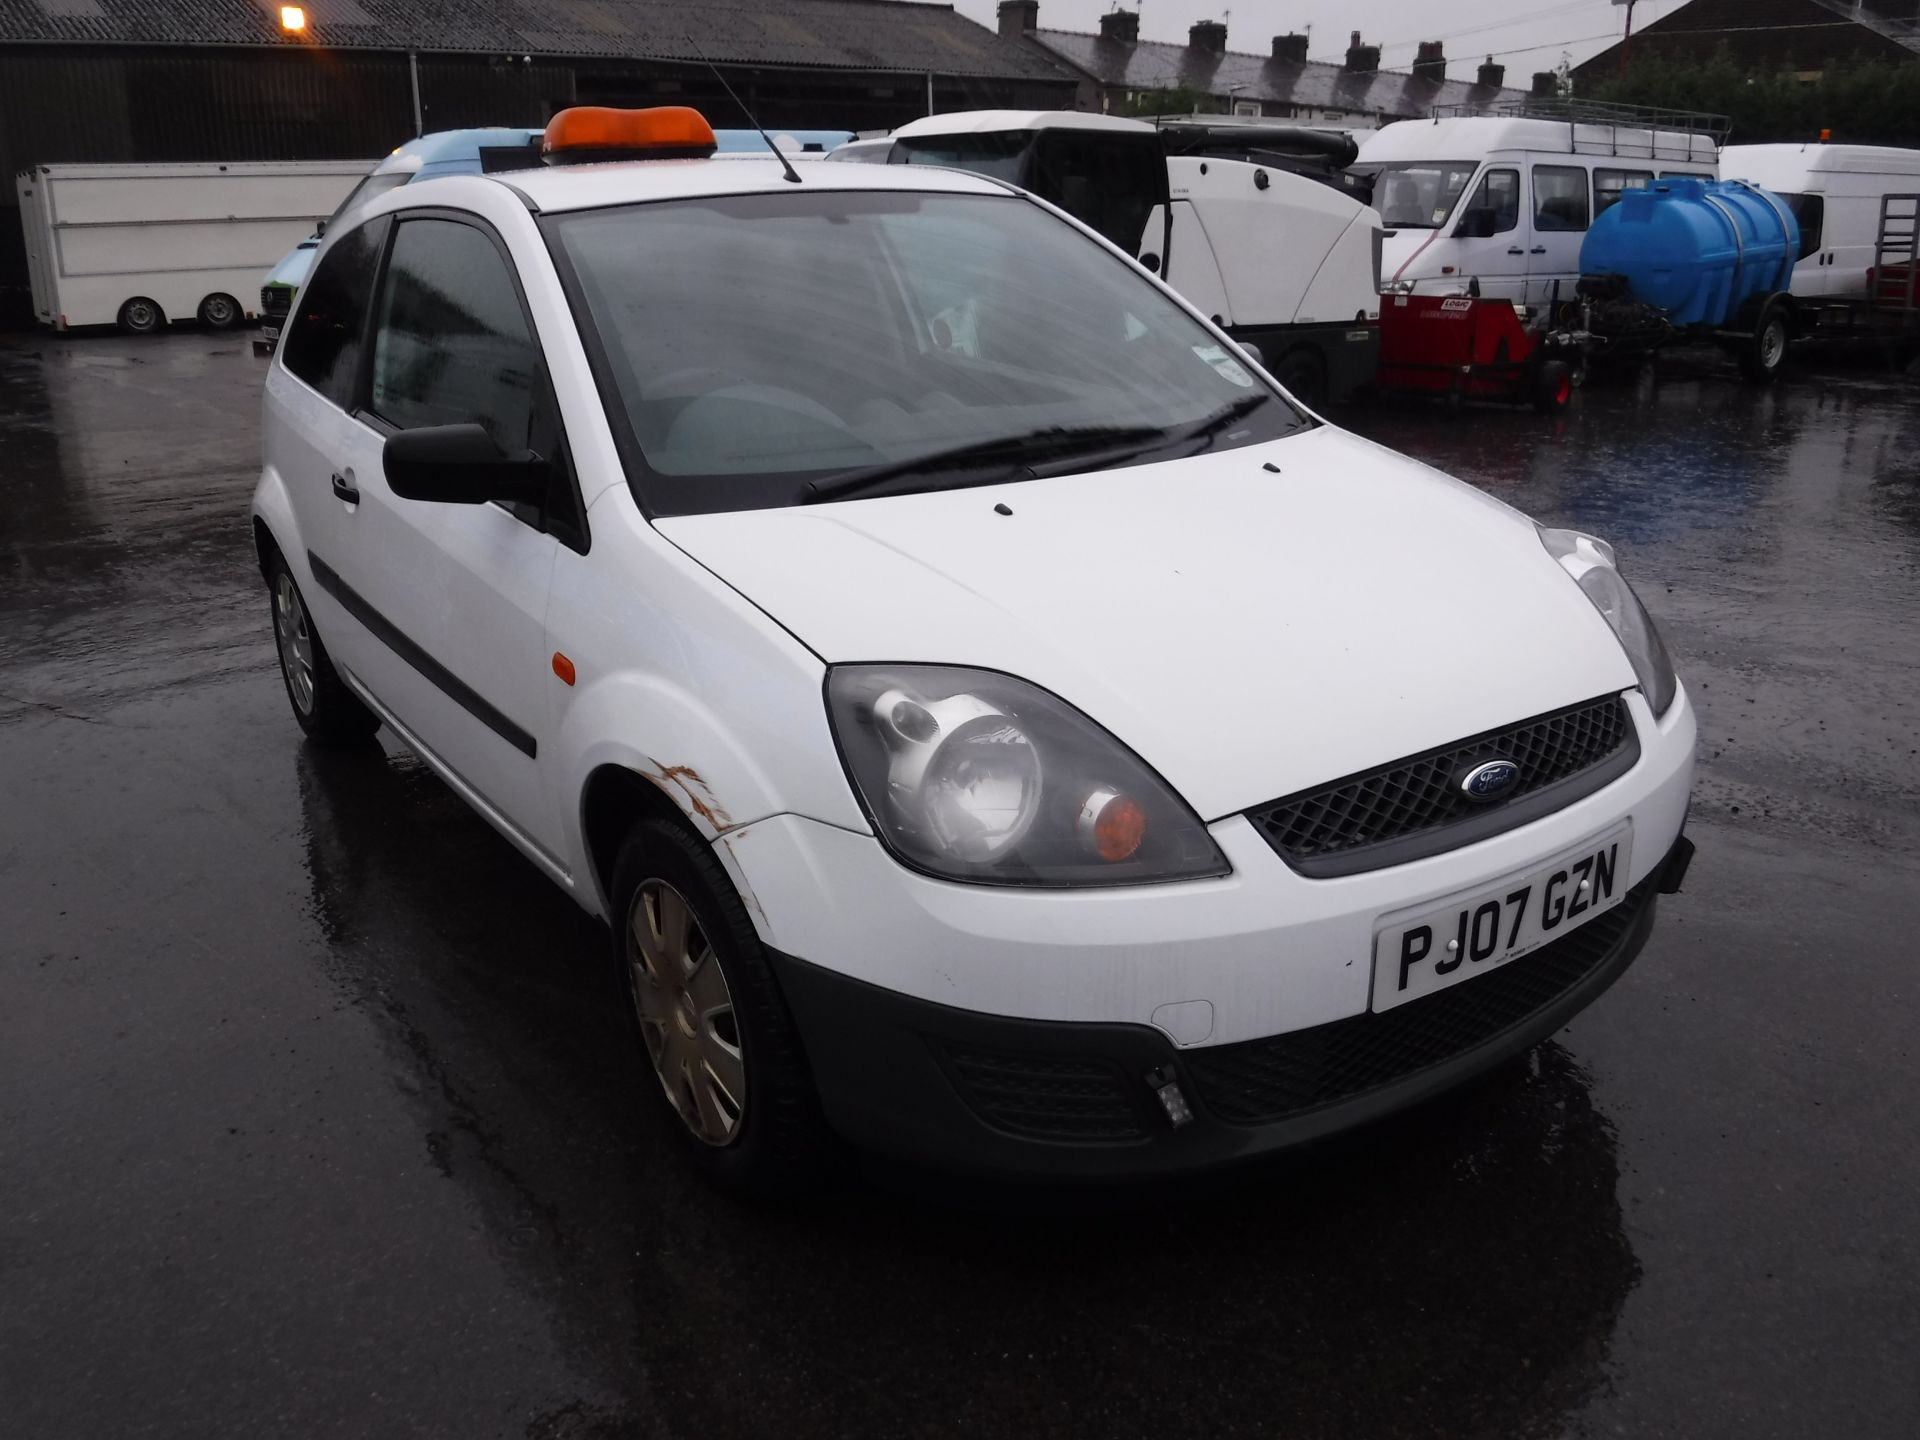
pixel 601 132
pixel 563 667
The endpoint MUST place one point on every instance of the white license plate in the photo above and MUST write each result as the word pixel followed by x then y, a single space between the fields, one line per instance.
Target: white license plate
pixel 1415 955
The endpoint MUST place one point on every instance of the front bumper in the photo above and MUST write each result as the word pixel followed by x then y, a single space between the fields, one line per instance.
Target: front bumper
pixel 1079 1101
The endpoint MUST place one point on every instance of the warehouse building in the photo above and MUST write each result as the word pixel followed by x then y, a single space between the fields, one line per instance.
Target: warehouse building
pixel 160 80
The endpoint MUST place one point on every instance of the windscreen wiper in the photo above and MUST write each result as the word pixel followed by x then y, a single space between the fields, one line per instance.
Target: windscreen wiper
pixel 1016 451
pixel 1208 428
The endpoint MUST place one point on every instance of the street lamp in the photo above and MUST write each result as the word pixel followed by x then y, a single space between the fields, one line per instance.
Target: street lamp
pixel 293 19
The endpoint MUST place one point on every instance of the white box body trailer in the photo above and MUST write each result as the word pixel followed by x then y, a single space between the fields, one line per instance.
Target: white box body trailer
pixel 142 245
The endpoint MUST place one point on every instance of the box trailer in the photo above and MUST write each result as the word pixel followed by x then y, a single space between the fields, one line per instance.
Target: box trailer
pixel 142 245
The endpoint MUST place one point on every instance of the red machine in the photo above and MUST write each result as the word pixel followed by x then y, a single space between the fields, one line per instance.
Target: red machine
pixel 1466 348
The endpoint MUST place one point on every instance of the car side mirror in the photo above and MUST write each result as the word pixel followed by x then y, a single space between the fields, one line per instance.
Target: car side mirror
pixel 1478 225
pixel 461 465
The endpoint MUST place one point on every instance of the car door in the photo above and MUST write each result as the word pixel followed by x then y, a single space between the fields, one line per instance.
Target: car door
pixel 310 431
pixel 454 596
pixel 1488 240
pixel 1562 209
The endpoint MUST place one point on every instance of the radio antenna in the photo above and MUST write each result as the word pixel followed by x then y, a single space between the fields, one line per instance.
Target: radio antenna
pixel 793 175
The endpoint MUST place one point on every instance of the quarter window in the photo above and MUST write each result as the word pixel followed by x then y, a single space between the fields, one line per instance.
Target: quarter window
pixel 1559 197
pixel 324 337
pixel 1608 185
pixel 452 345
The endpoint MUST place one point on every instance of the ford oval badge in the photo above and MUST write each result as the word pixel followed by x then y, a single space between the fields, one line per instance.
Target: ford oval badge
pixel 1489 780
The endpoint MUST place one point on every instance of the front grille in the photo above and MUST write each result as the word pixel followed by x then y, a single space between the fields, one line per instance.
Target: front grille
pixel 1284 1075
pixel 1352 824
pixel 1046 1097
pixel 275 300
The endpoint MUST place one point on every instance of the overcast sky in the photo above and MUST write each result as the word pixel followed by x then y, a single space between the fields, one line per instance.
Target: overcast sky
pixel 1525 35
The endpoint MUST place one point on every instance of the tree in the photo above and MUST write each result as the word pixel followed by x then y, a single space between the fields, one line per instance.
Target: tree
pixel 1874 103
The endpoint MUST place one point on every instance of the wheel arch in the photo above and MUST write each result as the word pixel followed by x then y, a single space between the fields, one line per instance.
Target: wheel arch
pixel 613 800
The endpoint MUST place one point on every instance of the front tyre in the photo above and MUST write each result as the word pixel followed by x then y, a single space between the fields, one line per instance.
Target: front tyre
pixel 713 1027
pixel 327 710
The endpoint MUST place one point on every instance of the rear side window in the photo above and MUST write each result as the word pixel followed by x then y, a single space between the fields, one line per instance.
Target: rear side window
pixel 452 345
pixel 324 340
pixel 1608 185
pixel 1559 197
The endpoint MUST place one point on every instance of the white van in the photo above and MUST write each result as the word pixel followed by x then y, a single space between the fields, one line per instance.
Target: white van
pixel 1506 200
pixel 1835 192
pixel 1279 261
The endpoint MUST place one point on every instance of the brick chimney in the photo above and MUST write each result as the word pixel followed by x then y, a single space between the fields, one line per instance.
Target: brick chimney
pixel 1491 75
pixel 1019 17
pixel 1546 84
pixel 1208 35
pixel 1290 48
pixel 1121 25
pixel 1362 59
pixel 1431 62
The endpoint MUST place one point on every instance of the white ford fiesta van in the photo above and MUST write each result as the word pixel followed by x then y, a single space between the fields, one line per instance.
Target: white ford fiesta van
pixel 1058 753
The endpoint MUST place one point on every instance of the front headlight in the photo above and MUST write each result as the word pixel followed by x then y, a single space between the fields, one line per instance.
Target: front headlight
pixel 1590 561
pixel 972 775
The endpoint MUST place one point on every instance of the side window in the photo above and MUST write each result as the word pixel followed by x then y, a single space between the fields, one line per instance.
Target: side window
pixel 1497 195
pixel 323 340
pixel 1559 197
pixel 1608 184
pixel 1811 212
pixel 451 344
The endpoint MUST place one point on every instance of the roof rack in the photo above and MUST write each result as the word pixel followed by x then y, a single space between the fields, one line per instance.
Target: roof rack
pixel 1606 114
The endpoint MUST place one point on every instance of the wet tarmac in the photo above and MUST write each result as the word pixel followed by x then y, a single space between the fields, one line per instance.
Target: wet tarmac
pixel 317 1117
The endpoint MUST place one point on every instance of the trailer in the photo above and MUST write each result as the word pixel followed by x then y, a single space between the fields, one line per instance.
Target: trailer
pixel 143 245
pixel 1468 347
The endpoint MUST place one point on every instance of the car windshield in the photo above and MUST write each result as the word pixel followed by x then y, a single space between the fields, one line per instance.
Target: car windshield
pixel 760 343
pixel 1420 194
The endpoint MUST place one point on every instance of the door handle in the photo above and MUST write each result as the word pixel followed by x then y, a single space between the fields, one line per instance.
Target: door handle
pixel 343 491
pixel 1515 250
pixel 1538 250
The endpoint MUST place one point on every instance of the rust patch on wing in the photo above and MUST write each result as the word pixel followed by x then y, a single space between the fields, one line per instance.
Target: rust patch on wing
pixel 700 799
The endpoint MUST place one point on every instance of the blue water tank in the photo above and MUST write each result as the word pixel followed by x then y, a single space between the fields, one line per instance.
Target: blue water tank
pixel 1696 249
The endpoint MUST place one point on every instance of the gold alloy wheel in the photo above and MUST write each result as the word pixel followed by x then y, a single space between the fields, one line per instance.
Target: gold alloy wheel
pixel 686 1013
pixel 295 638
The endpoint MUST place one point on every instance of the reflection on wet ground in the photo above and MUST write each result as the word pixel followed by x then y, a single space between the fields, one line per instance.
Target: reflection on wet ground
pixel 318 1117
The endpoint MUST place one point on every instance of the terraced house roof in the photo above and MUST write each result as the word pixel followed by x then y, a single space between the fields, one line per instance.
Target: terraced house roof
pixel 1147 65
pixel 827 34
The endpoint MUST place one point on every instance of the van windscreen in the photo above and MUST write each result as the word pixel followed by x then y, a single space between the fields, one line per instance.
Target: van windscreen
pixel 1420 194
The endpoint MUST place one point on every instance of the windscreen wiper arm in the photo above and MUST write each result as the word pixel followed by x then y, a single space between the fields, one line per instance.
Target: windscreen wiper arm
pixel 1016 450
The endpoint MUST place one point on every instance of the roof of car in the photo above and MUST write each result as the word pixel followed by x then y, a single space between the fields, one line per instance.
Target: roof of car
pixel 977 122
pixel 628 182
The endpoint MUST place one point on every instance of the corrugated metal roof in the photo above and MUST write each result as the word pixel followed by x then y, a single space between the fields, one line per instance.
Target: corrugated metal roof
pixel 827 34
pixel 1155 65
